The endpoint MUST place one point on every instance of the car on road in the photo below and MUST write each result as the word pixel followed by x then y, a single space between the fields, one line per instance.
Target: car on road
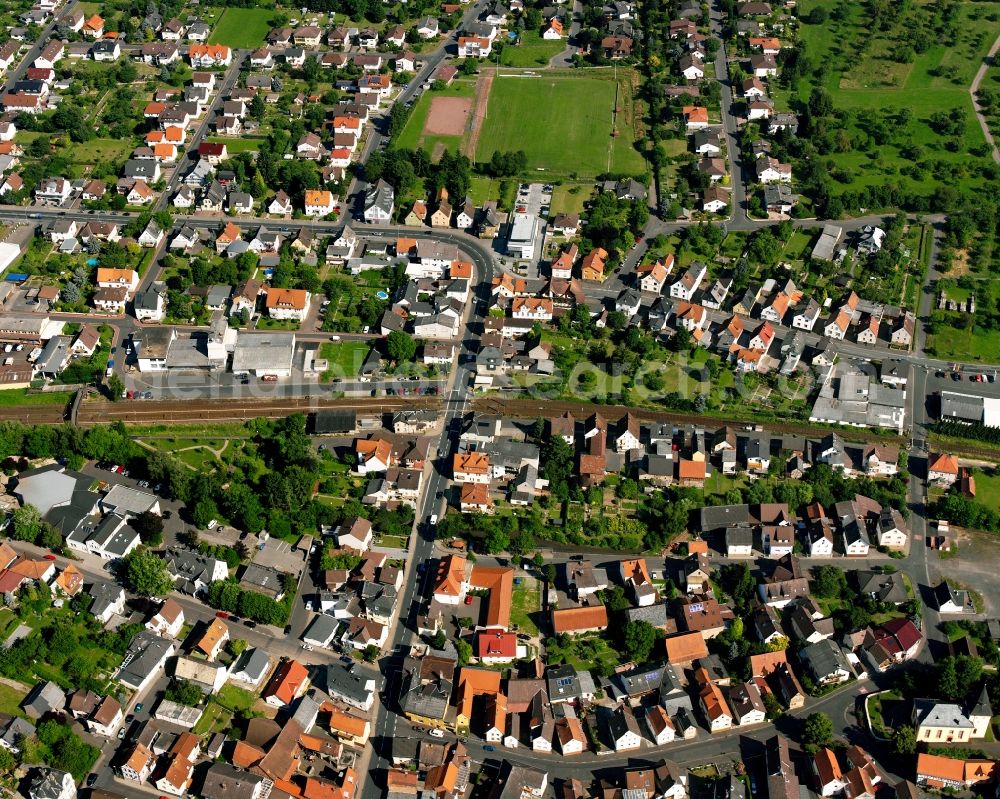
pixel 121 734
pixel 468 600
pixel 956 376
pixel 91 779
pixel 436 733
pixel 138 708
pixel 489 748
pixel 129 718
pixel 249 623
pixel 346 659
pixel 50 556
pixel 307 647
pixel 212 524
pixel 222 615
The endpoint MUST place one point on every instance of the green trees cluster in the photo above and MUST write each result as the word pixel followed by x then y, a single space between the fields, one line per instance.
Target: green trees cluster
pixel 146 574
pixel 613 224
pixel 58 746
pixel 965 512
pixel 184 692
pixel 227 595
pixel 27 525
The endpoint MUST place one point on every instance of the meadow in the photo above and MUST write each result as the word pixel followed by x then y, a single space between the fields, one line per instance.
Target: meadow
pixel 242 27
pixel 563 124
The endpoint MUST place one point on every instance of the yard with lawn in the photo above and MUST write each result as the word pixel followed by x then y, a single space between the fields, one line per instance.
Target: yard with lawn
pixel 222 707
pixel 25 396
pixel 525 112
pixel 988 489
pixel 242 27
pixel 526 605
pixel 344 358
pixel 531 50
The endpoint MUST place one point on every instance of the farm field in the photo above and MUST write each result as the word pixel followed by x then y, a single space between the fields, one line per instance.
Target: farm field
pixel 579 108
pixel 242 27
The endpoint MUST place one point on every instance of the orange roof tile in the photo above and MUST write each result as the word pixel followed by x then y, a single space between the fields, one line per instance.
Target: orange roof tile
pixel 570 620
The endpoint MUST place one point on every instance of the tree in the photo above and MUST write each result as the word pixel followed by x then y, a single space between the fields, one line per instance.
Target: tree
pixel 400 346
pixel 115 387
pixel 147 574
pixel 463 650
pixel 236 646
pixel 184 692
pixel 639 637
pixel 439 640
pixel 828 581
pixel 817 732
pixel 149 526
pixel 772 706
pixel 904 740
pixel 27 523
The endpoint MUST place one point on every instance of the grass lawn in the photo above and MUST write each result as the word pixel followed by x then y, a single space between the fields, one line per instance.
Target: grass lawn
pixel 345 358
pixel 525 602
pixel 10 700
pixel 215 718
pixel 527 112
pixel 973 344
pixel 233 698
pixel 241 145
pixel 988 489
pixel 531 51
pixel 569 198
pixel 21 396
pixel 242 27
pixel 199 459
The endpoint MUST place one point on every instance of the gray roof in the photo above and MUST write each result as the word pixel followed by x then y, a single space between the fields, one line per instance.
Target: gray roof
pixel 341 683
pixel 127 501
pixel 44 698
pixel 258 351
pixel 50 487
pixel 105 595
pixel 223 781
pixel 933 713
pixel 321 630
pixel 145 654
pixel 720 516
pixel 824 658
pixel 252 665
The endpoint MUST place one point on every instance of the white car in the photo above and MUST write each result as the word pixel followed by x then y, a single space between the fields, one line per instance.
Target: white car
pixel 436 733
pixel 211 525
pixel 307 647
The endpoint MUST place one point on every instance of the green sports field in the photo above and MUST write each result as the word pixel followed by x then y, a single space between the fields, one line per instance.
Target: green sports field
pixel 242 27
pixel 562 123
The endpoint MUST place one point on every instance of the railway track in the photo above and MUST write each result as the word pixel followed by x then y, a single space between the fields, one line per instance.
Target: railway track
pixel 236 410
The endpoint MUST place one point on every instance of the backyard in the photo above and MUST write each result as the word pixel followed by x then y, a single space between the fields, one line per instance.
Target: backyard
pixel 344 358
pixel 242 27
pixel 531 50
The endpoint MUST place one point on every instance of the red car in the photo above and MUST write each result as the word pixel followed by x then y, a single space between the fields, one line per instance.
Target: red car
pixel 50 557
pixel 468 600
pixel 222 615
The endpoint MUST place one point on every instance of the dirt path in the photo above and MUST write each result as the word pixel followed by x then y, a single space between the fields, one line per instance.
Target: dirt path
pixel 483 86
pixel 987 62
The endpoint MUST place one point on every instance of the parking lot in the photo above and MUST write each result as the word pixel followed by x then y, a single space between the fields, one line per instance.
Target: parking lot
pixel 534 198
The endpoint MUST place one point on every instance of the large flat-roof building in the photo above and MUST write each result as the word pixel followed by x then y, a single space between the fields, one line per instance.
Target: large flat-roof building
pixel 264 354
pixel 524 236
pixel 970 408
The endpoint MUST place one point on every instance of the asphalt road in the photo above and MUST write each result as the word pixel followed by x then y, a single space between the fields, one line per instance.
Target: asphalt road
pixel 28 59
